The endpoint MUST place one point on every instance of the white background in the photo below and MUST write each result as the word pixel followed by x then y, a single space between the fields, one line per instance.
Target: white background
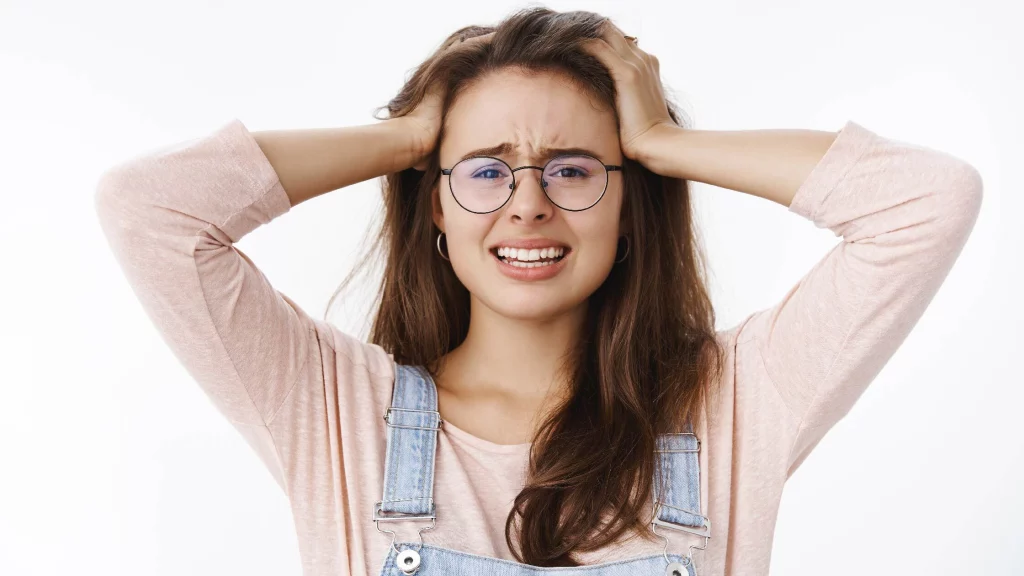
pixel 113 462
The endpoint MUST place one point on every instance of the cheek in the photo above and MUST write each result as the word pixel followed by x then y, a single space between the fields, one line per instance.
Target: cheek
pixel 464 244
pixel 597 230
pixel 597 245
pixel 593 234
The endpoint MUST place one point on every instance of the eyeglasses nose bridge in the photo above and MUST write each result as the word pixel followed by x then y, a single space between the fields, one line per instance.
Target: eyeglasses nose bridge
pixel 543 184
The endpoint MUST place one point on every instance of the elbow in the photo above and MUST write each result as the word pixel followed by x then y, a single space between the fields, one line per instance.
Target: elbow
pixel 964 195
pixel 960 204
pixel 111 188
pixel 107 196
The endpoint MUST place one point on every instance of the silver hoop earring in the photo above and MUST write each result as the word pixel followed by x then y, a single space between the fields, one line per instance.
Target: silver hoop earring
pixel 439 246
pixel 620 260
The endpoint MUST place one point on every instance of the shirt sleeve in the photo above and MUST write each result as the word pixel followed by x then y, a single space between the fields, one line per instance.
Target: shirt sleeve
pixel 172 218
pixel 904 213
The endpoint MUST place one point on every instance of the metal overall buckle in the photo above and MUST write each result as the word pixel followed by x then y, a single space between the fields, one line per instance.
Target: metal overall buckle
pixel 679 568
pixel 393 408
pixel 408 560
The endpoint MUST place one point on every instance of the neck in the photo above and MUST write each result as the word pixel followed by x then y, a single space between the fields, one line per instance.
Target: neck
pixel 510 366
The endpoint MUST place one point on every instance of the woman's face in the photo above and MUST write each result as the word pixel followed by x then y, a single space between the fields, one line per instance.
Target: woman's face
pixel 530 114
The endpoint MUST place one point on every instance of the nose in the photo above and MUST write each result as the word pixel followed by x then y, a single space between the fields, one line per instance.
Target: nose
pixel 529 203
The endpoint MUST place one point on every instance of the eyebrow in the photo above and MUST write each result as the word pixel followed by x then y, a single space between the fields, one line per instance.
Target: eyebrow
pixel 545 153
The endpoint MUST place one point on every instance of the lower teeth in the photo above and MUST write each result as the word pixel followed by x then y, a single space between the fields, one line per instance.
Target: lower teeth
pixel 535 264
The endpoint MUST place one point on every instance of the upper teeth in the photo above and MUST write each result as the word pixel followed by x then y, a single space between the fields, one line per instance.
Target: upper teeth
pixel 525 255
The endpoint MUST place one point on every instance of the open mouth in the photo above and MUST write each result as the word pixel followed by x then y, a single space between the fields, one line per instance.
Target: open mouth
pixel 530 258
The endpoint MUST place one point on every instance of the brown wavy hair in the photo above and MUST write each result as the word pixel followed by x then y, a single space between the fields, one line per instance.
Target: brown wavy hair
pixel 649 355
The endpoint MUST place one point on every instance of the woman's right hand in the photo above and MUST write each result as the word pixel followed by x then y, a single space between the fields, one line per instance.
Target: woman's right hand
pixel 424 121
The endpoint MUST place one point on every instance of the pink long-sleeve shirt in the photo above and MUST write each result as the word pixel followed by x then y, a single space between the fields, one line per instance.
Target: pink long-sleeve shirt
pixel 310 398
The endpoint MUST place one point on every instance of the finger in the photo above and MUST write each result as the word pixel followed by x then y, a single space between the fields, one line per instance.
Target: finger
pixel 480 38
pixel 619 68
pixel 642 60
pixel 616 38
pixel 469 41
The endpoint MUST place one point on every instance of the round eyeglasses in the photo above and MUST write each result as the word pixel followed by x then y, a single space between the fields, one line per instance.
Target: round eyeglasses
pixel 573 182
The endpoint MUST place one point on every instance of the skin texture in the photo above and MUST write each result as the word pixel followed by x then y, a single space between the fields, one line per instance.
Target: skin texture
pixel 530 113
pixel 519 330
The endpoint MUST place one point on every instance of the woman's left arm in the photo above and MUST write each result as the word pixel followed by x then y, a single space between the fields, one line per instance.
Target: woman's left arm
pixel 770 163
pixel 904 213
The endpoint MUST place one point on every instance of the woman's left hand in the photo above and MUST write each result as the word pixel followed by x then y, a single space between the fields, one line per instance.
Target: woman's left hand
pixel 641 103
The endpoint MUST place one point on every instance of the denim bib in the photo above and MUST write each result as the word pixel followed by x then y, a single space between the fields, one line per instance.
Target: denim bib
pixel 413 423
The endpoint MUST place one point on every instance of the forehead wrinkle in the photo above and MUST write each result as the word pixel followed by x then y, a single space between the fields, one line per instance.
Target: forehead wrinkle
pixel 505 119
pixel 542 150
pixel 507 150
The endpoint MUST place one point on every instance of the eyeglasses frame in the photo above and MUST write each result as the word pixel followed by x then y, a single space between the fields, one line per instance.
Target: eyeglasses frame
pixel 607 167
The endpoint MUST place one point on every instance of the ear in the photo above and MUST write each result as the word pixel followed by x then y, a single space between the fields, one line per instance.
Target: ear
pixel 436 213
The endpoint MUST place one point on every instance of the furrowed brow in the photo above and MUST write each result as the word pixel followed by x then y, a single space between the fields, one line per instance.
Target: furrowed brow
pixel 506 149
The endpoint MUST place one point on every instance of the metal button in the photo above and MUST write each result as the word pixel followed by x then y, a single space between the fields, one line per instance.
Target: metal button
pixel 408 561
pixel 676 569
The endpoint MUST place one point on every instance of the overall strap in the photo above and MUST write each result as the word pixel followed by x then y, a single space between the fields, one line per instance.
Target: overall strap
pixel 677 489
pixel 413 423
pixel 412 426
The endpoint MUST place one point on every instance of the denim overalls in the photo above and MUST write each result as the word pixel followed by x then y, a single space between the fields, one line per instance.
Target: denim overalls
pixel 413 423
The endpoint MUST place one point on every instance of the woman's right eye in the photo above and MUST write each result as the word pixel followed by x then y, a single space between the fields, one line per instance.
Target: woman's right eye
pixel 488 171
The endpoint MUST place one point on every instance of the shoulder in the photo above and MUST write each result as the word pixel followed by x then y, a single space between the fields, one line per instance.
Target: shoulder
pixel 745 383
pixel 738 333
pixel 357 376
pixel 353 353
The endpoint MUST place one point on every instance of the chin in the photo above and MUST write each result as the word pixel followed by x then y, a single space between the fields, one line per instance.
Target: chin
pixel 534 313
pixel 527 301
pixel 528 305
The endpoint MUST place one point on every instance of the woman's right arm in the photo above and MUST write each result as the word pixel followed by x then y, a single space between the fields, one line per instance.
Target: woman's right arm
pixel 172 218
pixel 311 162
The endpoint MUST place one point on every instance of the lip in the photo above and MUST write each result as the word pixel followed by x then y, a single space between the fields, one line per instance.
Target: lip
pixel 531 274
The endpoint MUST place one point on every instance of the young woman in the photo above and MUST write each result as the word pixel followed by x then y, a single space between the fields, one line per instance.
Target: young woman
pixel 543 386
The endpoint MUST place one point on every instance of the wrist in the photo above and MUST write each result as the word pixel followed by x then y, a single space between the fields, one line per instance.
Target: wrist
pixel 410 141
pixel 658 148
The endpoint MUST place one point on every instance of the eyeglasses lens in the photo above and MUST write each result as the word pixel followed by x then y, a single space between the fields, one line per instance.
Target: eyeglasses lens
pixel 484 184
